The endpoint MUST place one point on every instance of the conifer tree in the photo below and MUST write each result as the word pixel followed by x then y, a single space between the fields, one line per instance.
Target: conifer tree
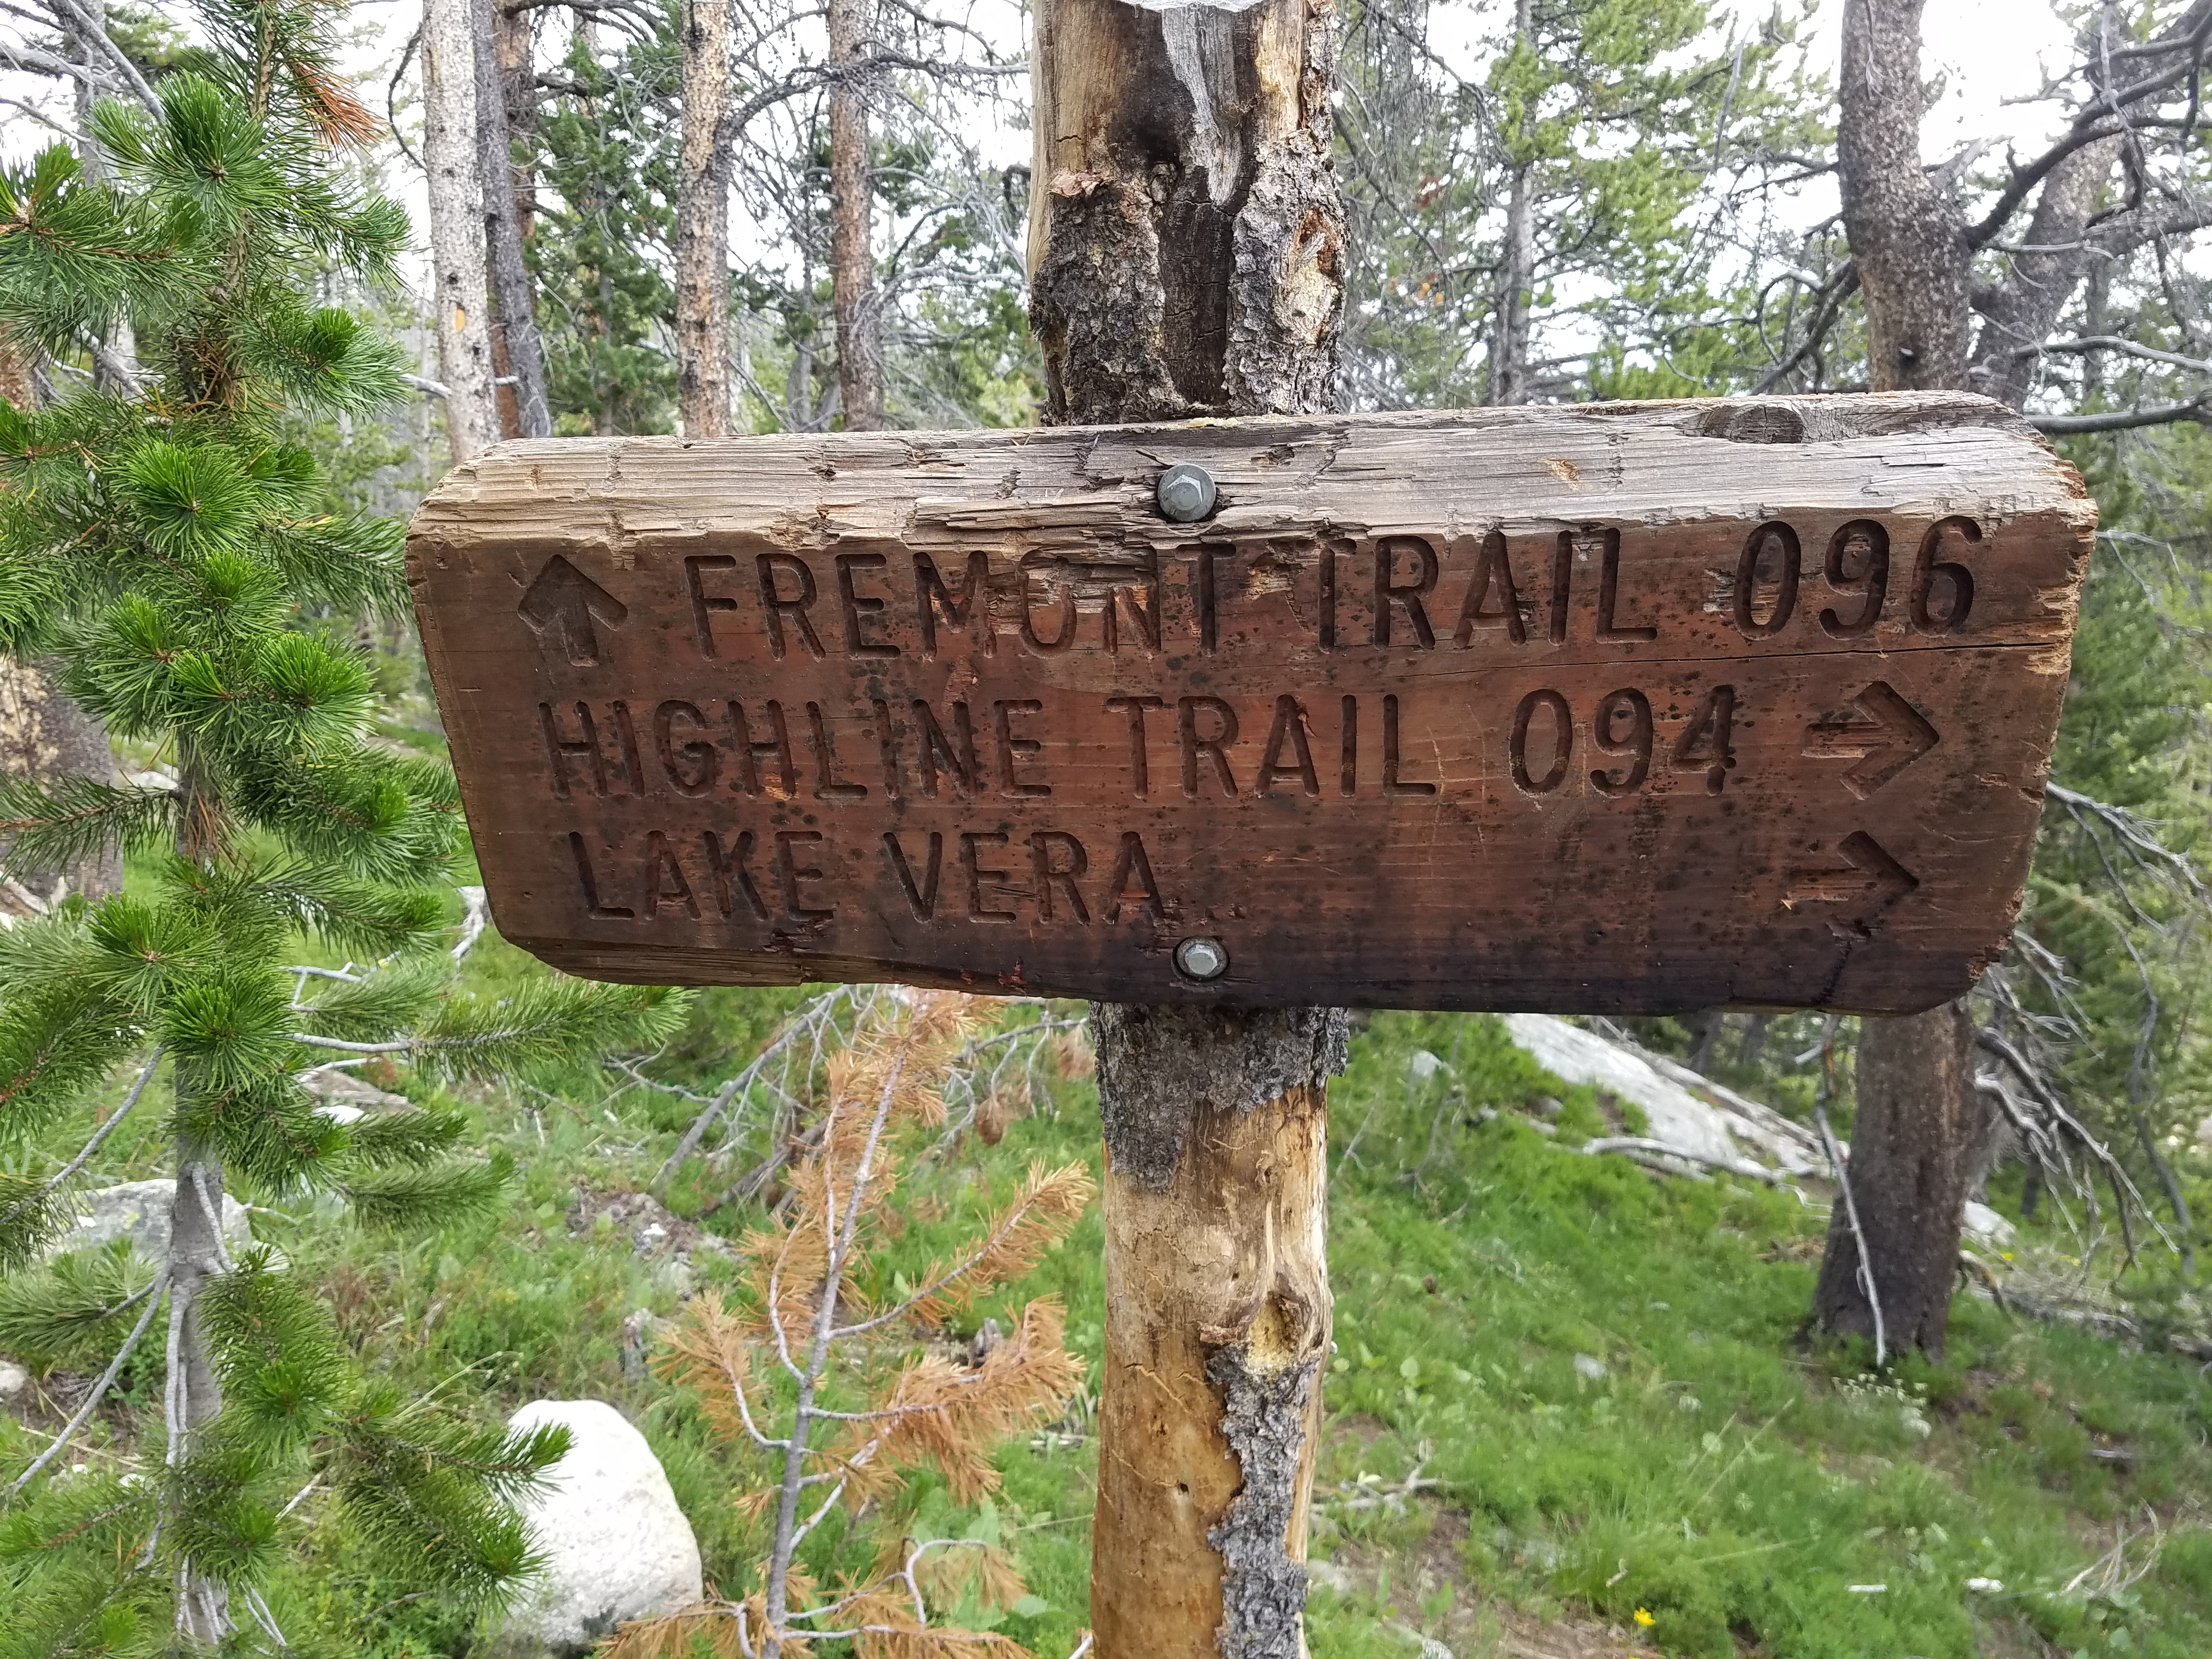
pixel 814 1369
pixel 162 543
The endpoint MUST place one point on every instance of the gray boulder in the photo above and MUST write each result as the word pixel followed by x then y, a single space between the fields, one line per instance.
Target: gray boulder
pixel 139 1211
pixel 344 1098
pixel 617 1548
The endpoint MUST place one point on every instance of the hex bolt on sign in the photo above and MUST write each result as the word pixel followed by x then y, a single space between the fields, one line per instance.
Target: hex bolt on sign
pixel 1185 494
pixel 1202 958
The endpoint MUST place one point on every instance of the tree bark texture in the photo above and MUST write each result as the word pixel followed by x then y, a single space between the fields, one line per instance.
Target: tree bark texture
pixel 1915 1134
pixel 852 254
pixel 451 157
pixel 1906 235
pixel 1516 275
pixel 195 1387
pixel 1186 230
pixel 518 349
pixel 46 736
pixel 1186 241
pixel 702 225
pixel 1218 1319
pixel 1917 1113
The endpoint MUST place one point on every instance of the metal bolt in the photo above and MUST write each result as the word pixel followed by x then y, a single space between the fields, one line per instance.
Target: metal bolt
pixel 1202 958
pixel 1185 492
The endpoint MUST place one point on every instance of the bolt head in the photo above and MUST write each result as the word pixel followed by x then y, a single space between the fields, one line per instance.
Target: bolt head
pixel 1202 958
pixel 1185 492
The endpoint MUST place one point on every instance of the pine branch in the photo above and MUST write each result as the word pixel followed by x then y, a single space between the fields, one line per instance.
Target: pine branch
pixel 2197 410
pixel 152 1294
pixel 64 823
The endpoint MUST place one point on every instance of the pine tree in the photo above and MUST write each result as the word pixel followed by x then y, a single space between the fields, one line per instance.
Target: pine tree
pixel 163 543
pixel 813 1373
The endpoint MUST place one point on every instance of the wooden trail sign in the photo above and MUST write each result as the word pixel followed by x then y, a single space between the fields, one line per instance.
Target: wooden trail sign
pixel 1631 706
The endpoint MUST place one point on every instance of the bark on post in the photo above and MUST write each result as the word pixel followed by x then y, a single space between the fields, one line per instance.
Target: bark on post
pixel 518 350
pixel 450 158
pixel 852 255
pixel 1186 237
pixel 702 225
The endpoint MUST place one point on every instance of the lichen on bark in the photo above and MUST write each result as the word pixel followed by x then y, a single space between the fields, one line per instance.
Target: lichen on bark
pixel 1158 1065
pixel 1263 1590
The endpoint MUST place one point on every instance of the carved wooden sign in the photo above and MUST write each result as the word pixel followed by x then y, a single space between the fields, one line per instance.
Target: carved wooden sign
pixel 1616 708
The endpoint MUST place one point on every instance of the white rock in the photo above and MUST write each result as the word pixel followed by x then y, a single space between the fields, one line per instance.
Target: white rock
pixel 1676 1116
pixel 616 1545
pixel 337 1090
pixel 1986 1226
pixel 139 1211
pixel 1590 1367
pixel 14 1379
pixel 1423 1065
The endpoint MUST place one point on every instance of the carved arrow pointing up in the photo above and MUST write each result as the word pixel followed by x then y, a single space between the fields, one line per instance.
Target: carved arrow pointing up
pixel 564 599
pixel 1888 737
pixel 1871 873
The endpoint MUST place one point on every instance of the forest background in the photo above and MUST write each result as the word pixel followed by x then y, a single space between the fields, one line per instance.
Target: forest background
pixel 1550 201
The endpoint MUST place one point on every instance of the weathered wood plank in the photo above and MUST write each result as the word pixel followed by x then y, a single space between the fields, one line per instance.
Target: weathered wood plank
pixel 721 709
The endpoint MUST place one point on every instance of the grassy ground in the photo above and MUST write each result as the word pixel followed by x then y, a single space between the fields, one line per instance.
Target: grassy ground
pixel 1596 1376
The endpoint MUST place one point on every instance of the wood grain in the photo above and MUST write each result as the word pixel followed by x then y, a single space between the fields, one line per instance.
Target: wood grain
pixel 1860 845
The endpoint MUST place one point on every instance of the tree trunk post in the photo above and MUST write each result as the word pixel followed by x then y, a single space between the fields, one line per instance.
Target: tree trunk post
pixel 450 159
pixel 1186 236
pixel 702 225
pixel 852 253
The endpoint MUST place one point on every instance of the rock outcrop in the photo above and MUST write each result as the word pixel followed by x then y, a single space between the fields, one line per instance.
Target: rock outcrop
pixel 617 1548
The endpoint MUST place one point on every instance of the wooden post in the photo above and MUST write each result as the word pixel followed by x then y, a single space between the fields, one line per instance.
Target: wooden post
pixel 1185 241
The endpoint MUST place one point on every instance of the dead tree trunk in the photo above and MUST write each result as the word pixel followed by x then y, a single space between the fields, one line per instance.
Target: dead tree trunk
pixel 451 159
pixel 1186 237
pixel 702 225
pixel 519 353
pixel 852 257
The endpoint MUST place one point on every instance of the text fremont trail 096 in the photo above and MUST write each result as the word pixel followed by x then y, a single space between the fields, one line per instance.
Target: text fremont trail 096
pixel 1621 707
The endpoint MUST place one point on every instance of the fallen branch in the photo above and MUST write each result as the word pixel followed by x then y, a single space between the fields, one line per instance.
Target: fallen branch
pixel 1642 1149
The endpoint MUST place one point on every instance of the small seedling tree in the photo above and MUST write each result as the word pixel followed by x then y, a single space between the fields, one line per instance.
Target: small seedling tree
pixel 814 1367
pixel 165 547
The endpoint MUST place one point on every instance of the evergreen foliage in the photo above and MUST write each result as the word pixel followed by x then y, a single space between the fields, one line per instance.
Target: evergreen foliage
pixel 606 153
pixel 1650 142
pixel 169 551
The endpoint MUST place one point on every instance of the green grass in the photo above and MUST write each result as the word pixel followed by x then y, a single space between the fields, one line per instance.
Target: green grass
pixel 1717 1475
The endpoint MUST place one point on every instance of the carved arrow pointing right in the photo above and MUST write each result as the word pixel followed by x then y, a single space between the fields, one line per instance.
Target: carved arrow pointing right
pixel 564 601
pixel 1871 873
pixel 1889 737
